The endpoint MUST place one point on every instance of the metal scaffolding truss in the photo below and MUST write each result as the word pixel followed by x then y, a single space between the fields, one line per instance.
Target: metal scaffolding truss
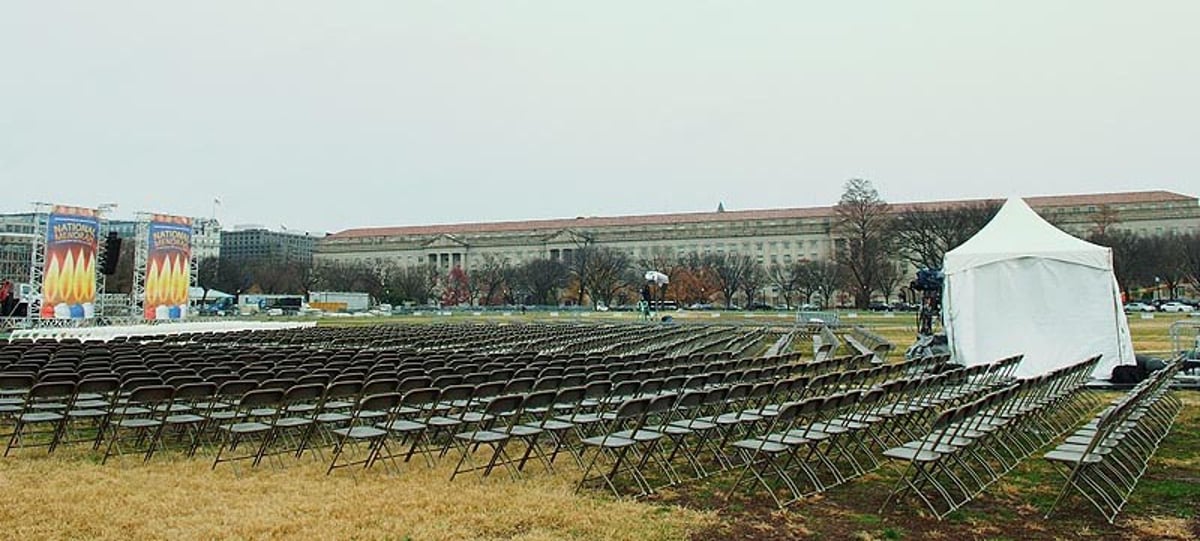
pixel 141 252
pixel 37 258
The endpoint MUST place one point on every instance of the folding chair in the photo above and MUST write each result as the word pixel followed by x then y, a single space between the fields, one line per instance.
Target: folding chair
pixel 93 403
pixel 611 450
pixel 568 400
pixel 45 405
pixel 296 422
pixel 411 422
pixel 251 419
pixel 139 421
pixel 501 414
pixel 361 429
pixel 189 413
pixel 768 457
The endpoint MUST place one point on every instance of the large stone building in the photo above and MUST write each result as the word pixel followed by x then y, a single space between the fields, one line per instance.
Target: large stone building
pixel 771 236
pixel 256 243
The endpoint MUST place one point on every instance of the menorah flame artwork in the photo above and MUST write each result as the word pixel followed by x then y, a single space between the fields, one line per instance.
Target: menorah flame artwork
pixel 168 268
pixel 69 275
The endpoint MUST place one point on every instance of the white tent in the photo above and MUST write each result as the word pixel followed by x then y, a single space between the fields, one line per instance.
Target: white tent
pixel 197 293
pixel 1021 285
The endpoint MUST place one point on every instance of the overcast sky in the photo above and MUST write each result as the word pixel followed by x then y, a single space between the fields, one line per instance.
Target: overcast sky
pixel 330 115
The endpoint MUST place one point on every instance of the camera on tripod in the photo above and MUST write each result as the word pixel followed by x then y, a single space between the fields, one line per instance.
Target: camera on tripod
pixel 929 282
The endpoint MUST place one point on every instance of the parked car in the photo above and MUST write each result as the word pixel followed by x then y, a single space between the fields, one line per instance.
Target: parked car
pixel 760 306
pixel 879 307
pixel 1176 306
pixel 1139 307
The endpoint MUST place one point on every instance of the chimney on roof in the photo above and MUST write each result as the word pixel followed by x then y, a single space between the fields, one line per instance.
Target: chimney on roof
pixel 721 206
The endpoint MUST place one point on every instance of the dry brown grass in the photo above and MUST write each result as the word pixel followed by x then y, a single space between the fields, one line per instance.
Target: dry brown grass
pixel 68 496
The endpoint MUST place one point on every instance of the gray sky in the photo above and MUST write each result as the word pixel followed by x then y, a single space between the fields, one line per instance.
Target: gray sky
pixel 330 115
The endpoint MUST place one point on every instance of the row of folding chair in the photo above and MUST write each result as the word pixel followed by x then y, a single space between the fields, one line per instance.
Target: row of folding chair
pixel 699 427
pixel 834 435
pixel 1104 459
pixel 969 447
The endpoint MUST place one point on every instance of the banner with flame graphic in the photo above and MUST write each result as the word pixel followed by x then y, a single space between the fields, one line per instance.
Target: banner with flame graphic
pixel 69 277
pixel 168 267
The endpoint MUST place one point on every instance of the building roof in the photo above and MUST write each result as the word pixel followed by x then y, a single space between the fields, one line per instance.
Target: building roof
pixel 1156 196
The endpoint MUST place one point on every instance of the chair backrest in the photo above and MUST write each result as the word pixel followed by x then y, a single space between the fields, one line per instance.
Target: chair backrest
pixel 488 390
pixel 597 389
pixel 377 402
pixel 304 393
pixel 509 404
pixel 457 392
pixel 99 385
pixel 277 383
pixel 151 394
pixel 343 390
pixel 195 391
pixel 378 386
pixel 261 398
pixel 16 381
pixel 661 405
pixel 419 398
pixel 236 388
pixel 541 399
pixel 519 385
pixel 414 382
pixel 51 391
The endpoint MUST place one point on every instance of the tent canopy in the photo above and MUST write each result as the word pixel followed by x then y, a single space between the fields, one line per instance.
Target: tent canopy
pixel 1023 286
pixel 197 293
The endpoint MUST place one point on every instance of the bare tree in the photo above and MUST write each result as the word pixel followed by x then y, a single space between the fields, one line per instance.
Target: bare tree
pixel 234 277
pixel 825 278
pixel 1103 219
pixel 609 273
pixel 729 273
pixel 753 280
pixel 415 284
pixel 358 276
pixel 1191 259
pixel 923 236
pixel 580 266
pixel 863 223
pixel 1131 255
pixel 207 276
pixel 1169 258
pixel 488 278
pixel 541 280
pixel 890 278
pixel 787 277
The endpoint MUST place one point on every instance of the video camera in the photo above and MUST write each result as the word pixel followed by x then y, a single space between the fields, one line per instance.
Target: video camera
pixel 929 282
